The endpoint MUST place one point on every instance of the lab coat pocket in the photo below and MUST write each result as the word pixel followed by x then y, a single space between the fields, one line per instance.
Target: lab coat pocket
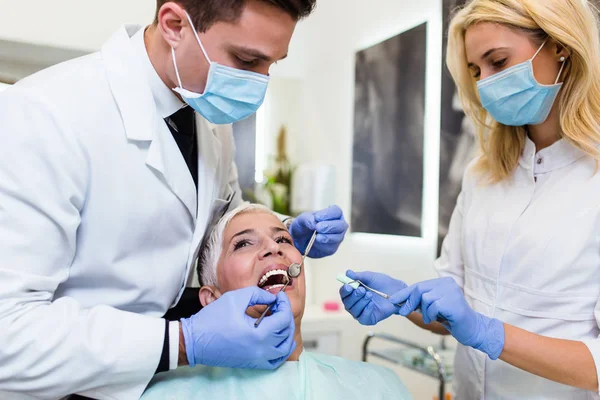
pixel 566 306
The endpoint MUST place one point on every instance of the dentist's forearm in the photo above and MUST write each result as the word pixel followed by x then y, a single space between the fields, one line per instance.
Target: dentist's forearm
pixel 563 361
pixel 435 327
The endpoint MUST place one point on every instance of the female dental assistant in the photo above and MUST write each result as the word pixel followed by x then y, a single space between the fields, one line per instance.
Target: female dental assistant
pixel 520 267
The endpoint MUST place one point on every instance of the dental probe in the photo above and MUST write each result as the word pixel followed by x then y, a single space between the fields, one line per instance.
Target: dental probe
pixel 344 279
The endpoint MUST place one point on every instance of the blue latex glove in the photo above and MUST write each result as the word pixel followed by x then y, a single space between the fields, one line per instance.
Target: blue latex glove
pixel 444 298
pixel 222 335
pixel 366 307
pixel 331 228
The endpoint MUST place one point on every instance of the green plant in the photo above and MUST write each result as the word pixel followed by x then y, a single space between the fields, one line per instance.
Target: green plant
pixel 279 177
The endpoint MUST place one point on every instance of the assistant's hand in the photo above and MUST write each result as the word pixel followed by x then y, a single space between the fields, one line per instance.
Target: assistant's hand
pixel 443 298
pixel 331 229
pixel 222 335
pixel 366 307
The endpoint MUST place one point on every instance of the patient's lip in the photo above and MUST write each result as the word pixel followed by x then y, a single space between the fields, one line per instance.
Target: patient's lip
pixel 274 267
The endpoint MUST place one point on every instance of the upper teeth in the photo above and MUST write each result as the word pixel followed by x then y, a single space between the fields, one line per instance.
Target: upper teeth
pixel 271 273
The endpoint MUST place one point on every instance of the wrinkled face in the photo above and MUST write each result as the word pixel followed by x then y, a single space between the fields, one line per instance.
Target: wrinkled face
pixel 255 42
pixel 492 48
pixel 257 251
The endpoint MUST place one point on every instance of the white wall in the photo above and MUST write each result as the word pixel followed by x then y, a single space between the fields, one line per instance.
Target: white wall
pixel 76 24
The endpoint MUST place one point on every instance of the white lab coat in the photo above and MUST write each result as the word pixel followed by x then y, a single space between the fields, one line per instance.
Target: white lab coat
pixel 527 251
pixel 99 225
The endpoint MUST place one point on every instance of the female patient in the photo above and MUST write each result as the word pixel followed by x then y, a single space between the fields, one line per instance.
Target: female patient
pixel 250 246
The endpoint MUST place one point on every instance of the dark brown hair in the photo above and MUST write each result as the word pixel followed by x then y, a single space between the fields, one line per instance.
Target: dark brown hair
pixel 205 13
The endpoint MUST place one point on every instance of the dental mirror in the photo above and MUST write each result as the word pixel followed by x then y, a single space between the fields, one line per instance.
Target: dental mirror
pixel 295 268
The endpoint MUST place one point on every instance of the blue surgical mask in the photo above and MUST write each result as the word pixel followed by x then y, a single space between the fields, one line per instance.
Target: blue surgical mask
pixel 230 95
pixel 515 98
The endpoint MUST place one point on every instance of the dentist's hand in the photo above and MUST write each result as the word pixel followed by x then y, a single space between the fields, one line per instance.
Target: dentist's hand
pixel 366 307
pixel 222 335
pixel 331 228
pixel 444 298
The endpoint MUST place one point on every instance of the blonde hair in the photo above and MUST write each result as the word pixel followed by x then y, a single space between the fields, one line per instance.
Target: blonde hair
pixel 211 252
pixel 574 24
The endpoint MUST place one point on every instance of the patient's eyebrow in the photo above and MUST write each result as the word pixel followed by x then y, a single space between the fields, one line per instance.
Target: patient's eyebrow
pixel 244 232
pixel 275 229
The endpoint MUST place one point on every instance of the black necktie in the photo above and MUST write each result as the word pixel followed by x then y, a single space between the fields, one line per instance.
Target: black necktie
pixel 182 125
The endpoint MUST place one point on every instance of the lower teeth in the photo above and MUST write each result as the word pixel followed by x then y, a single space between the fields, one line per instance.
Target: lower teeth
pixel 274 287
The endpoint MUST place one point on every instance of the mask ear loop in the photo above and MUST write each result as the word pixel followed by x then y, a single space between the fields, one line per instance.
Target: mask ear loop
pixel 562 67
pixel 540 49
pixel 198 37
pixel 176 67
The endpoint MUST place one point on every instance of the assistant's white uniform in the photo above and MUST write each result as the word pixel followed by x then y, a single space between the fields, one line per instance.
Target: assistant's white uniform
pixel 527 251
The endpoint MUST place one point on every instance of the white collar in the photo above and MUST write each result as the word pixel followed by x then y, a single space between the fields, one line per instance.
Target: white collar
pixel 167 102
pixel 558 155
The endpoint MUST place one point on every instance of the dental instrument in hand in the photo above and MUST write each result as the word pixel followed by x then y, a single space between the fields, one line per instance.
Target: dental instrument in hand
pixel 293 272
pixel 355 283
pixel 295 268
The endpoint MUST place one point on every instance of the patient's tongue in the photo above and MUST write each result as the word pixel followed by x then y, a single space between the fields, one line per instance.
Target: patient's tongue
pixel 274 283
pixel 273 288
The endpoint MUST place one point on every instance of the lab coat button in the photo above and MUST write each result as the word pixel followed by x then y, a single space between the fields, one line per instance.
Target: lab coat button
pixel 540 160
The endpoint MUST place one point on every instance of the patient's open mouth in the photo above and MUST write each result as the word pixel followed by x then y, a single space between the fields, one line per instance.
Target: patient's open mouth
pixel 274 279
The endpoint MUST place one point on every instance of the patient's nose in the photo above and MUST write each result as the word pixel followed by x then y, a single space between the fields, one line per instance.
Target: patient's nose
pixel 272 248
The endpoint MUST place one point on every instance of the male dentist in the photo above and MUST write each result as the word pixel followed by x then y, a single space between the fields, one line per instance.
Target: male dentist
pixel 112 168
